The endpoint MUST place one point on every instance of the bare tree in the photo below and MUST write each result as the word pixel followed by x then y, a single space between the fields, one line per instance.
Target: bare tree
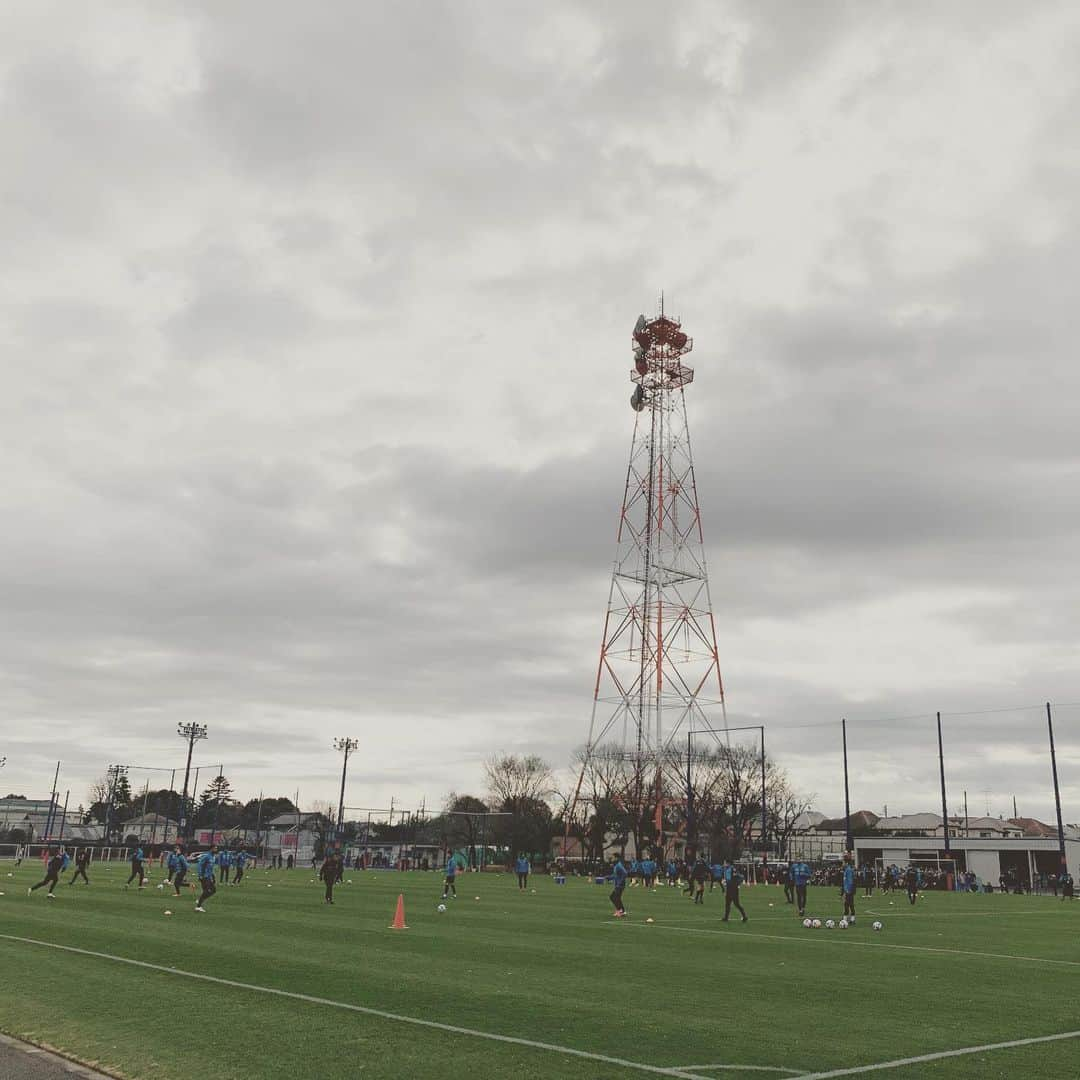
pixel 784 807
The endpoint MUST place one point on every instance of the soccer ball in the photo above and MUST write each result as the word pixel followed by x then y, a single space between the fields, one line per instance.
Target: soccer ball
pixel 168 912
pixel 843 924
pixel 770 905
pixel 817 924
pixel 807 923
pixel 649 920
pixel 161 886
pixel 829 924
pixel 441 908
pixel 877 926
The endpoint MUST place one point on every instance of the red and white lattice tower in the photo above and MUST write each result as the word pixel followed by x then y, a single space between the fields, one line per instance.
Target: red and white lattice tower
pixel 659 672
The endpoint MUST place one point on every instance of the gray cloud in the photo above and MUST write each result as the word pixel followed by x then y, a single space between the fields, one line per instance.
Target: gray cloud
pixel 315 353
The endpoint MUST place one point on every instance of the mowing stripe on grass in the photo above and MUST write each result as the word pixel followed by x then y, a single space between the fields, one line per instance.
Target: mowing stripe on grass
pixel 900 1062
pixel 365 1010
pixel 821 938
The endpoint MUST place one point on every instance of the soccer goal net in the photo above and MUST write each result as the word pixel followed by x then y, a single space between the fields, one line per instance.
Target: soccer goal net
pixel 931 873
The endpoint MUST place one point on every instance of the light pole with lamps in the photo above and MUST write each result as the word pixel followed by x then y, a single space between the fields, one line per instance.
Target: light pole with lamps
pixel 193 733
pixel 346 746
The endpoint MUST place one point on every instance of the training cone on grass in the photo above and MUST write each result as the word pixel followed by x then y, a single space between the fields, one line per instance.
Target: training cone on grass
pixel 399 915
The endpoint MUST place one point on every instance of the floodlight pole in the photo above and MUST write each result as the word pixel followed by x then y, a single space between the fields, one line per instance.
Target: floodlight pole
pixel 346 746
pixel 1057 790
pixel 944 803
pixel 849 844
pixel 193 733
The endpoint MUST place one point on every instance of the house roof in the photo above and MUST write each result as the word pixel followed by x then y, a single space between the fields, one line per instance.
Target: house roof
pixel 286 821
pixel 1034 827
pixel 906 822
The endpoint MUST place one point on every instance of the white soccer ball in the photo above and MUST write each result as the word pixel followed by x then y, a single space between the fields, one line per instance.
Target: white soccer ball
pixel 843 924
pixel 161 886
pixel 817 924
pixel 829 924
pixel 807 923
pixel 168 912
pixel 441 908
pixel 877 926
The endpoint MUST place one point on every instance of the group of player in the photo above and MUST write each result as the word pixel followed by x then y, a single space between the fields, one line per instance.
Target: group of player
pixel 210 867
pixel 692 875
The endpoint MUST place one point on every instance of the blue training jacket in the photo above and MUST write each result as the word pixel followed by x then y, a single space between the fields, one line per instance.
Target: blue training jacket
pixel 522 866
pixel 619 873
pixel 206 865
pixel 800 872
pixel 240 859
pixel 849 878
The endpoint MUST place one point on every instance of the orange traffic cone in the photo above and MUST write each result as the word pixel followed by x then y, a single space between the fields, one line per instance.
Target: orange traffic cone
pixel 399 915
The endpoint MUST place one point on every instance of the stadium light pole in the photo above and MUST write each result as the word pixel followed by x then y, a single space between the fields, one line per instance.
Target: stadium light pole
pixel 346 746
pixel 849 843
pixel 193 733
pixel 1057 790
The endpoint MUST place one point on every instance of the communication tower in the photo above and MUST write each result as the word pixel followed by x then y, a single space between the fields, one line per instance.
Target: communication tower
pixel 658 678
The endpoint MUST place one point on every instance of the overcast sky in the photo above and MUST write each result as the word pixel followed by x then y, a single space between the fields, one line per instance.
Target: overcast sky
pixel 315 329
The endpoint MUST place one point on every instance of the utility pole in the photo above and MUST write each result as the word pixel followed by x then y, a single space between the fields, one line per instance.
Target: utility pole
pixel 193 733
pixel 346 746
pixel 944 806
pixel 114 774
pixel 1057 790
pixel 849 843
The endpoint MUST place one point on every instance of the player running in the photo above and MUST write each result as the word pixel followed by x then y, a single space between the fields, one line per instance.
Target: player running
pixel 732 881
pixel 205 867
pixel 239 862
pixel 137 869
pixel 698 876
pixel 82 861
pixel 178 868
pixel 521 867
pixel 52 873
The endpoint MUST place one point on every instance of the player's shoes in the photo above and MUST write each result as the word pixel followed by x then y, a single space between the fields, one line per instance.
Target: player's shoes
pixel 202 909
pixel 49 896
pixel 30 891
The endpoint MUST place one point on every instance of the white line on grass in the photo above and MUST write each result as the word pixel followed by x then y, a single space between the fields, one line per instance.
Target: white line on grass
pixel 799 1073
pixel 900 1062
pixel 822 938
pixel 533 1044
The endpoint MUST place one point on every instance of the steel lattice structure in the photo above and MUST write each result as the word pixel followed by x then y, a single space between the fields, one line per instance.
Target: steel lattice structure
pixel 659 671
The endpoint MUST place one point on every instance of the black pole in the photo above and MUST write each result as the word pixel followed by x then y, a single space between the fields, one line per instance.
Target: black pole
pixel 849 843
pixel 1057 790
pixel 689 797
pixel 944 804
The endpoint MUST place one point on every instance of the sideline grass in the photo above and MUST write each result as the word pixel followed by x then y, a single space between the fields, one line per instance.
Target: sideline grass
pixel 550 966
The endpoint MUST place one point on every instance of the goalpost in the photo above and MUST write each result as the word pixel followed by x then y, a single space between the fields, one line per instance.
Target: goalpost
pixel 934 872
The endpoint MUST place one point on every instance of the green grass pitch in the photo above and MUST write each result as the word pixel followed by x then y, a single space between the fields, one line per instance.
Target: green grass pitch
pixel 680 997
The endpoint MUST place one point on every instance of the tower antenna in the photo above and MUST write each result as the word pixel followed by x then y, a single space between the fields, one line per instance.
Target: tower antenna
pixel 658 676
